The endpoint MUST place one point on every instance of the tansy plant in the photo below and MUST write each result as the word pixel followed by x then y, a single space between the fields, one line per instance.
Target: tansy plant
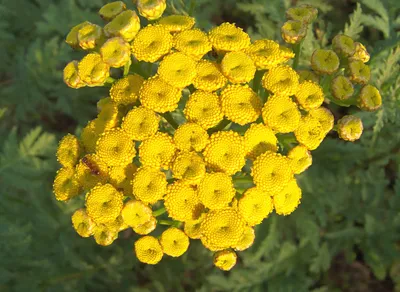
pixel 208 129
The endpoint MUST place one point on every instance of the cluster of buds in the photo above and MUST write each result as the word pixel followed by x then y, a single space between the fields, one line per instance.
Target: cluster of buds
pixel 210 166
pixel 298 19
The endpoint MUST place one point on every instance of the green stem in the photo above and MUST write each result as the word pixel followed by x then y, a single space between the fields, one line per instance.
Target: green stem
pixel 243 182
pixel 219 127
pixel 191 7
pixel 169 223
pixel 297 51
pixel 257 80
pixel 170 120
pixel 159 212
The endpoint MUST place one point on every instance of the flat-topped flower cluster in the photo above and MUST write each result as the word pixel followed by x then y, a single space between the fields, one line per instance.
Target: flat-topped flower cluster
pixel 245 130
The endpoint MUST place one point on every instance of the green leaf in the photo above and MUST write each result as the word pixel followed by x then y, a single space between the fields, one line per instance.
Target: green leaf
pixel 354 28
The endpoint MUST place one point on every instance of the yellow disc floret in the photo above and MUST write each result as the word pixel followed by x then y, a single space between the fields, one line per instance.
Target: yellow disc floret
pixel 267 54
pixel 148 250
pixel 310 132
pixel 93 70
pixel 193 43
pixel 136 213
pixel 125 25
pixel 286 201
pixel 116 52
pixel 247 239
pixel 324 117
pixel 104 235
pixel 190 136
pixel 174 242
pixel 192 227
pixel 228 37
pixel 225 259
pixel 254 206
pixel 300 158
pixel 281 80
pixel 309 95
pixel 65 185
pixel 89 36
pixel 259 139
pixel 89 137
pixel 126 90
pixel 177 69
pixel 208 76
pixel 149 184
pixel 82 223
pixel 151 9
pixel 238 67
pixel 177 23
pixel 188 166
pixel 90 171
pixel 71 75
pixel 140 123
pixel 157 151
pixel 68 151
pixel 107 119
pixel 147 227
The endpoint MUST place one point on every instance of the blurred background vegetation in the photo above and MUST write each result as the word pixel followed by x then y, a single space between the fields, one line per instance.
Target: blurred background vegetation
pixel 345 236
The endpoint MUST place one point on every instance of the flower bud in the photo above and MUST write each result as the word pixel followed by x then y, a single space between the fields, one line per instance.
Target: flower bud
pixel 90 35
pixel 125 25
pixel 343 45
pixel 93 71
pixel 71 76
pixel 72 37
pixel 111 10
pixel 116 52
pixel 307 75
pixel 350 128
pixel 324 61
pixel 304 13
pixel 293 31
pixel 342 88
pixel 151 9
pixel 359 72
pixel 369 99
pixel 360 53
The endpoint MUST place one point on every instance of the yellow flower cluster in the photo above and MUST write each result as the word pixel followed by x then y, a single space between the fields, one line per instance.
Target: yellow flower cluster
pixel 208 137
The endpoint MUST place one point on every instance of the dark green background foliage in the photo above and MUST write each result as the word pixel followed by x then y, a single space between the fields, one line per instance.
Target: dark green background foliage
pixel 345 236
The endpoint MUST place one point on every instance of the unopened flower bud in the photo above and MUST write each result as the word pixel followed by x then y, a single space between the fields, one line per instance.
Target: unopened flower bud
pixel 308 75
pixel 116 52
pixel 71 76
pixel 111 10
pixel 359 72
pixel 89 36
pixel 93 71
pixel 304 13
pixel 360 53
pixel 342 88
pixel 324 61
pixel 350 128
pixel 293 31
pixel 343 45
pixel 72 37
pixel 151 9
pixel 125 25
pixel 369 99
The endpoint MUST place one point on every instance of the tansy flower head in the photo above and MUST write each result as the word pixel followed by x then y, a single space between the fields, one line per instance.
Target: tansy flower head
pixel 126 90
pixel 190 136
pixel 359 72
pixel 221 229
pixel 125 25
pixel 208 76
pixel 159 96
pixel 343 45
pixel 308 75
pixel 65 185
pixel 324 61
pixel 104 203
pixel 107 119
pixel 89 137
pixel 115 148
pixel 68 151
pixel 360 53
pixel 111 10
pixel 203 108
pixel 71 75
pixel 293 31
pixel 152 43
pixel 90 36
pixel 286 201
pixel 103 102
pixel 148 250
pixel 177 69
pixel 147 227
pixel 282 80
pixel 225 259
pixel 271 172
pixel 82 223
pixel 140 123
pixel 121 176
pixel 259 139
pixel 310 132
pixel 117 224
pixel 188 166
pixel 324 117
pixel 92 70
pixel 350 128
pixel 247 239
pixel 300 158
pixel 238 67
pixel 72 37
pixel 174 242
pixel 342 88
pixel 303 13
pixel 135 213
pixel 216 190
pixel 151 9
pixel 228 37
pixel 309 95
pixel 254 206
pixel 225 152
pixel 281 114
pixel 104 235
pixel 116 52
pixel 193 43
pixel 181 201
pixel 369 99
pixel 240 104
pixel 149 184
pixel 177 23
pixel 192 228
pixel 157 151
pixel 266 54
pixel 90 171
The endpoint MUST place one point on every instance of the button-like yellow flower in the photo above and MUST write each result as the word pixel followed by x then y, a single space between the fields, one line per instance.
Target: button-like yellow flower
pixel 188 166
pixel 350 128
pixel 324 61
pixel 159 96
pixel 369 99
pixel 359 72
pixel 71 75
pixel 151 9
pixel 267 54
pixel 174 242
pixel 225 259
pixel 126 90
pixel 281 114
pixel 90 36
pixel 208 76
pixel 204 109
pixel 147 227
pixel 259 139
pixel 255 206
pixel 177 23
pixel 157 151
pixel 360 53
pixel 177 69
pixel 324 117
pixel 152 43
pixel 68 151
pixel 92 70
pixel 216 190
pixel 271 172
pixel 190 136
pixel 192 42
pixel 135 213
pixel 228 37
pixel 121 176
pixel 89 137
pixel 286 201
pixel 65 185
pixel 225 152
pixel 148 250
pixel 149 184
pixel 140 123
pixel 308 75
pixel 309 95
pixel 343 45
pixel 240 104
pixel 310 132
pixel 300 158
pixel 247 239
pixel 342 88
pixel 90 171
pixel 238 67
pixel 111 10
pixel 293 31
pixel 192 228
pixel 107 119
pixel 116 52
pixel 82 223
pixel 72 37
pixel 125 25
pixel 104 235
pixel 282 80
